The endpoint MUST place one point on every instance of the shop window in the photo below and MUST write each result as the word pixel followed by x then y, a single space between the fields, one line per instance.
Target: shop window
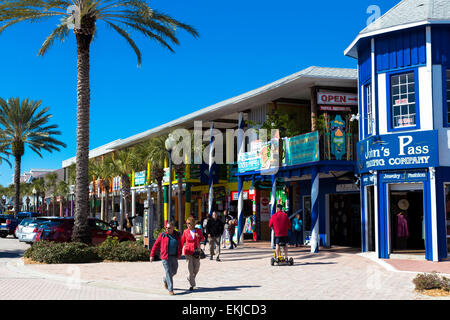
pixel 448 96
pixel 368 104
pixel 403 100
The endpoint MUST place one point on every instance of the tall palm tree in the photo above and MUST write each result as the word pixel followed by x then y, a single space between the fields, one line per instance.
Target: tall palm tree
pixel 62 190
pixel 25 125
pixel 83 16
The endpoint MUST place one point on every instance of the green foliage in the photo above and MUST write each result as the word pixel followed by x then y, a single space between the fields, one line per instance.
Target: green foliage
pixel 431 281
pixel 113 250
pixel 284 122
pixel 157 232
pixel 66 252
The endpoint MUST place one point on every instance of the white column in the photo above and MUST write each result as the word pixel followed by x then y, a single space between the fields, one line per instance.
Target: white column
pixel 133 209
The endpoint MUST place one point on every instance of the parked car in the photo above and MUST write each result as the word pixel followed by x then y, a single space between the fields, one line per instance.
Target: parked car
pixel 60 230
pixel 8 223
pixel 28 228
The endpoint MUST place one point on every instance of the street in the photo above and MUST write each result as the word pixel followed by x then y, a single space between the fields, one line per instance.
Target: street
pixel 243 273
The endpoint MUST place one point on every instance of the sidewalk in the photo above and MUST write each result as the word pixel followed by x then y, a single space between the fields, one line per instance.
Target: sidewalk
pixel 243 273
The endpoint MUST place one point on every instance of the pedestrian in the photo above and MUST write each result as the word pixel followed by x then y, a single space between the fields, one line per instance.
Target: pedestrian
pixel 297 225
pixel 214 228
pixel 231 230
pixel 128 223
pixel 114 223
pixel 169 244
pixel 281 224
pixel 191 239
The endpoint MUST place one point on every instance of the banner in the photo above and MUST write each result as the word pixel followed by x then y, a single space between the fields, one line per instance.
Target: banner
pixel 139 178
pixel 302 149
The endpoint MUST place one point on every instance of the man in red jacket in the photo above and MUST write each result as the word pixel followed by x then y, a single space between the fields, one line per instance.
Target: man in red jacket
pixel 281 224
pixel 169 243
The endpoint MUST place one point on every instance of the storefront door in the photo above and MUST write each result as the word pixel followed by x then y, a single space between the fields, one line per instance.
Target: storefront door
pixel 345 220
pixel 406 218
pixel 370 218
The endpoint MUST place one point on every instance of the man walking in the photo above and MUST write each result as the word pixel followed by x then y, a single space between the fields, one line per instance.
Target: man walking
pixel 169 243
pixel 281 224
pixel 214 228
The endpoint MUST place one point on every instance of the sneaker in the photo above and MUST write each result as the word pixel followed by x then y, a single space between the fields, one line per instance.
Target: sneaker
pixel 217 259
pixel 171 293
pixel 191 288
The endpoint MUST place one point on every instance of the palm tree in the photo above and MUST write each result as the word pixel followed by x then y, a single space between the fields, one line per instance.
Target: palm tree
pixel 83 16
pixel 62 190
pixel 40 187
pixel 50 182
pixel 23 124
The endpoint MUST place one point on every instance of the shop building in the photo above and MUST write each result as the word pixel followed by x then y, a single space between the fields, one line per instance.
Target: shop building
pixel 404 150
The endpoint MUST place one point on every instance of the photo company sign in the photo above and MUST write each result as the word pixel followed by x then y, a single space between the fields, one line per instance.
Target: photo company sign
pixel 399 151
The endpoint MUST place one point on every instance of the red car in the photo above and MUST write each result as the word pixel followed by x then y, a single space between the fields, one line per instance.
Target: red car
pixel 60 230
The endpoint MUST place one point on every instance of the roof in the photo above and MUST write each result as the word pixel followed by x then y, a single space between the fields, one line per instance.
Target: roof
pixel 406 14
pixel 296 85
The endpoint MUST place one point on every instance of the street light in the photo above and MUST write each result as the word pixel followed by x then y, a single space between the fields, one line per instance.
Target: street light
pixel 34 197
pixel 170 144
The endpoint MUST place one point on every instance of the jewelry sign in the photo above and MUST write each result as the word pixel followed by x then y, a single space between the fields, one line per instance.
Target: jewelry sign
pixel 399 151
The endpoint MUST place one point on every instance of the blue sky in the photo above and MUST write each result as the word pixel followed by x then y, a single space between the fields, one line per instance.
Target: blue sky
pixel 243 45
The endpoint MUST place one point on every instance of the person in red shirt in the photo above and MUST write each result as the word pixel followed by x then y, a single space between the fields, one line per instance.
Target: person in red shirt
pixel 191 239
pixel 281 224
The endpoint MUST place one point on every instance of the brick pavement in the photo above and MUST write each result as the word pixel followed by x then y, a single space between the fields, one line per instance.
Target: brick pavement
pixel 243 273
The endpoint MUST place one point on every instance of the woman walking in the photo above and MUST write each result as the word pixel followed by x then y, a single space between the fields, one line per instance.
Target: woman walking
pixel 190 241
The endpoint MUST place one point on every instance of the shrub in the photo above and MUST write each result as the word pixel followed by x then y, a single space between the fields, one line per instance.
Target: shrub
pixel 431 281
pixel 113 250
pixel 66 252
pixel 156 232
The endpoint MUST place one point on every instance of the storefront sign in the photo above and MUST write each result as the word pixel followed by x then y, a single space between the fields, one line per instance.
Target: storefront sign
pixel 398 177
pixel 337 98
pixel 139 178
pixel 399 151
pixel 338 137
pixel 347 187
pixel 249 161
pixel 368 180
pixel 302 149
pixel 335 108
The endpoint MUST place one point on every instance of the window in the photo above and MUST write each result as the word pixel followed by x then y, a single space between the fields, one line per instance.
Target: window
pixel 403 100
pixel 448 96
pixel 368 89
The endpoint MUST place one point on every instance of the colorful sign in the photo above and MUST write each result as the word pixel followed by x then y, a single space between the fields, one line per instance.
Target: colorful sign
pixel 338 137
pixel 302 149
pixel 249 161
pixel 139 178
pixel 399 151
pixel 337 98
pixel 335 108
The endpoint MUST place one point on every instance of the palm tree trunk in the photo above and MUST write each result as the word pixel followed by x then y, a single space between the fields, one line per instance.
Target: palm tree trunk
pixel 17 163
pixel 81 232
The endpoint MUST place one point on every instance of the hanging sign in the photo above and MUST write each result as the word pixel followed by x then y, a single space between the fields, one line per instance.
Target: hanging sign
pixel 338 137
pixel 249 161
pixel 398 177
pixel 335 108
pixel 399 151
pixel 302 149
pixel 139 178
pixel 337 98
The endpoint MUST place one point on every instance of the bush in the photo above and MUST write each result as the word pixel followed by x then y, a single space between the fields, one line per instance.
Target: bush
pixel 113 250
pixel 66 252
pixel 431 281
pixel 156 232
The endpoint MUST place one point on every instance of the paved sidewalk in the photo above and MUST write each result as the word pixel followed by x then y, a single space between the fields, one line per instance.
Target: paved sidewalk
pixel 243 273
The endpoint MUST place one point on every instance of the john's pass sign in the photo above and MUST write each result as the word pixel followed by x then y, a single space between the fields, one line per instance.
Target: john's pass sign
pixel 399 151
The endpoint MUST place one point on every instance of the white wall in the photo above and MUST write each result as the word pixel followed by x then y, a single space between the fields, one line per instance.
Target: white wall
pixel 382 104
pixel 444 133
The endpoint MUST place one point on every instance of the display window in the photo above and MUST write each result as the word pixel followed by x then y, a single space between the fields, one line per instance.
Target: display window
pixel 403 100
pixel 447 213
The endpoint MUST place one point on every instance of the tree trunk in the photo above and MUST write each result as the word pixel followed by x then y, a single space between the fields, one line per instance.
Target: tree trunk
pixel 17 163
pixel 81 231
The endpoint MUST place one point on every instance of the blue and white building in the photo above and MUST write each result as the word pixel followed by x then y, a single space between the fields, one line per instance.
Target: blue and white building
pixel 404 112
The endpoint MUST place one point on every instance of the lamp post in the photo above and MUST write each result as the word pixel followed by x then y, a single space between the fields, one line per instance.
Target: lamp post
pixel 170 144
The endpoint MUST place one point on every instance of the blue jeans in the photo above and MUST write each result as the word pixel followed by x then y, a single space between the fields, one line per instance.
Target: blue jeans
pixel 297 237
pixel 171 268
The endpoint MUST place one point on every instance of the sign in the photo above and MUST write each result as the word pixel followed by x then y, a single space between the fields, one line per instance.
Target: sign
pixel 139 178
pixel 337 98
pixel 335 108
pixel 398 177
pixel 368 180
pixel 249 161
pixel 235 195
pixel 302 149
pixel 399 151
pixel 347 187
pixel 265 209
pixel 338 137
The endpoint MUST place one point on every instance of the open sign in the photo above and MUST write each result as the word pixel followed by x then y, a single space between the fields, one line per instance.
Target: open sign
pixel 337 98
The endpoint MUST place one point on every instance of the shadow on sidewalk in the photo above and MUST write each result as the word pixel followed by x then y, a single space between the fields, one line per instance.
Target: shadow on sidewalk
pixel 203 290
pixel 11 254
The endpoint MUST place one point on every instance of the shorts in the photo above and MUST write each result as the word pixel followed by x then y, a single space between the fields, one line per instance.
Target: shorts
pixel 281 241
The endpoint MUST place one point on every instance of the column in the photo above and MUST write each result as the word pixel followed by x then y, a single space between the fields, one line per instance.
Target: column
pixel 121 210
pixel 273 207
pixel 166 204
pixel 187 200
pixel 315 241
pixel 240 238
pixel 210 176
pixel 133 209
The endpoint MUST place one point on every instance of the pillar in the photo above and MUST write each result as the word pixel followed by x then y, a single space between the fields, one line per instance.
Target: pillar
pixel 315 241
pixel 240 238
pixel 273 207
pixel 187 201
pixel 166 204
pixel 133 209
